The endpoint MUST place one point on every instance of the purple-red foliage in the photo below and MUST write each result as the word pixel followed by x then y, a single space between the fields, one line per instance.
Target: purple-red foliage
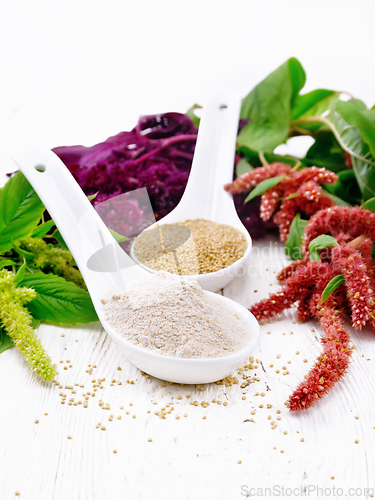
pixel 156 154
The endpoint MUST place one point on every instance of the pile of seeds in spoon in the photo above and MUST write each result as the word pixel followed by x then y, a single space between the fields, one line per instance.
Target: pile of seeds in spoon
pixel 207 248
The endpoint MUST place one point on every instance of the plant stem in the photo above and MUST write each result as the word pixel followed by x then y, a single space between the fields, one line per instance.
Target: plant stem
pixel 164 144
pixel 263 159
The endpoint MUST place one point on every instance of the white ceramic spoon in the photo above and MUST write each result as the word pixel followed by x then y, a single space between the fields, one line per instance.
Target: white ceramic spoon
pixel 86 235
pixel 204 196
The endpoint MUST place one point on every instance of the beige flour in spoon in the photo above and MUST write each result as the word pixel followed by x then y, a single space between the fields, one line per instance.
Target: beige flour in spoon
pixel 174 317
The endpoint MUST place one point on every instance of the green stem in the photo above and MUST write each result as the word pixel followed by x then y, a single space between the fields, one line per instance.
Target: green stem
pixel 263 159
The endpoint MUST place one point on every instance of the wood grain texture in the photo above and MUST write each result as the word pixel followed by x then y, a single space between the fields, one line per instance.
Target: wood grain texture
pixel 189 456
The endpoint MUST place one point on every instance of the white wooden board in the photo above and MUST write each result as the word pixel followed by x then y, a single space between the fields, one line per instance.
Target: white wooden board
pixel 195 452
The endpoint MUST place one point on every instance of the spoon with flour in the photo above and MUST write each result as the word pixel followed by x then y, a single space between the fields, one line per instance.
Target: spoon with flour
pixel 86 235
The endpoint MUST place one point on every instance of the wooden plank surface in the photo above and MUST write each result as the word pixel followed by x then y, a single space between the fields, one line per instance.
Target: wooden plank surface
pixel 159 442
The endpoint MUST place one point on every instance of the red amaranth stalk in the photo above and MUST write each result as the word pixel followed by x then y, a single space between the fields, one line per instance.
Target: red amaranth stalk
pixel 284 217
pixel 268 203
pixel 348 261
pixel 316 174
pixel 303 309
pixel 275 304
pixel 259 174
pixel 310 190
pixel 305 279
pixel 290 270
pixel 354 221
pixel 330 366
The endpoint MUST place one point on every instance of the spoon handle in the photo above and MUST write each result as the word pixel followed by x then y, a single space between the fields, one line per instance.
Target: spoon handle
pixel 213 160
pixel 81 227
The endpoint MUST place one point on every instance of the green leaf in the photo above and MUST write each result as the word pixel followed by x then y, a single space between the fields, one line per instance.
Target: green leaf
pixel 349 137
pixel 370 114
pixel 20 211
pixel 305 102
pixel 42 229
pixel 5 341
pixel 345 175
pixel 294 241
pixel 263 186
pixel 6 263
pixel 368 205
pixel 345 191
pixel 252 157
pixel 353 112
pixel 269 105
pixel 58 301
pixel 327 153
pixel 35 323
pixel 193 117
pixel 243 167
pixel 365 175
pixel 332 286
pixel 249 154
pixel 314 256
pixel 297 78
pixel 291 196
pixel 288 159
pixel 319 243
pixel 60 239
pixel 118 237
pixel 92 196
pixel 20 273
pixel 311 120
pixel 23 253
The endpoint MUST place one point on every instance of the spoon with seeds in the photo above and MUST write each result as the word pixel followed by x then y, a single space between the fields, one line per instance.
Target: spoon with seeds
pixel 86 235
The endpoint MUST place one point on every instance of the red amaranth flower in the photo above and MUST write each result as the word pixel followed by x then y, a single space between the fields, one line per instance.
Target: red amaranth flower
pixel 269 202
pixel 306 285
pixel 330 366
pixel 259 174
pixel 289 271
pixel 284 217
pixel 307 278
pixel 310 190
pixel 298 192
pixel 348 261
pixel 305 281
pixel 353 221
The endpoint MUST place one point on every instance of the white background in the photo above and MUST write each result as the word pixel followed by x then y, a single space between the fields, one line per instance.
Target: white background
pixel 76 72
pixel 80 71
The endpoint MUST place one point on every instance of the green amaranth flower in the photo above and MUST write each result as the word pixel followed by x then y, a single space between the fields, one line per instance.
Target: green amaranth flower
pixel 17 322
pixel 52 259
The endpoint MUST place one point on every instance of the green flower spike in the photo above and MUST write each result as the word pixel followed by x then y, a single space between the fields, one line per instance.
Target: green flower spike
pixel 17 322
pixel 53 260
